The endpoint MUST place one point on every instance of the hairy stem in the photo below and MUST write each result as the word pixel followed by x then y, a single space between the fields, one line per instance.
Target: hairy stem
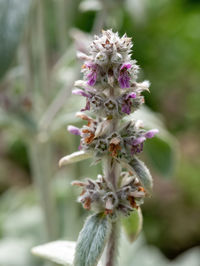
pixel 112 246
pixel 112 172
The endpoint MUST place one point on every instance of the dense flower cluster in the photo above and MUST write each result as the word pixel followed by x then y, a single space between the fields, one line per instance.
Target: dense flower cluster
pixel 124 143
pixel 98 195
pixel 108 65
pixel 111 90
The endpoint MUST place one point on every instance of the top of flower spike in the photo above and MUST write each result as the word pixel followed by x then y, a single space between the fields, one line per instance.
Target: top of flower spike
pixel 108 64
pixel 110 48
pixel 111 42
pixel 109 60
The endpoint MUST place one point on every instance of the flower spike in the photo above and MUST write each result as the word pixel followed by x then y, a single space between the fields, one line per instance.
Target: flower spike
pixel 112 92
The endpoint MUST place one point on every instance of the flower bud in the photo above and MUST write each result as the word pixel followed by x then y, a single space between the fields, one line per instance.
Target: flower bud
pixel 101 58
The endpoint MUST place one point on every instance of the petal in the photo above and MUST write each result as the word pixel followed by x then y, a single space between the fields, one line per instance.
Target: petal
pixel 125 66
pixel 151 133
pixel 74 130
pixel 138 140
pixel 126 109
pixel 131 95
pixel 92 77
pixel 124 81
pixel 80 92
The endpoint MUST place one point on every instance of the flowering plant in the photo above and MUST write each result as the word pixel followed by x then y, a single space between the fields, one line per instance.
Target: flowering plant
pixel 112 92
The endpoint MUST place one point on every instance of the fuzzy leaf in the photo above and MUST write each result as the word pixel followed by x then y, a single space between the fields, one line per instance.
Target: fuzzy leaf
pixel 92 240
pixel 133 224
pixel 142 172
pixel 74 157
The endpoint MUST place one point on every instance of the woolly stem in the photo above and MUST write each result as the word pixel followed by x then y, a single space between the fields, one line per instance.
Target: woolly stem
pixel 112 171
pixel 111 252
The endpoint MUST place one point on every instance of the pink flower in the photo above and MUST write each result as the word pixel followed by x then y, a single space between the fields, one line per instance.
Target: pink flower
pixel 151 133
pixel 92 76
pixel 74 130
pixel 138 140
pixel 126 106
pixel 80 92
pixel 124 76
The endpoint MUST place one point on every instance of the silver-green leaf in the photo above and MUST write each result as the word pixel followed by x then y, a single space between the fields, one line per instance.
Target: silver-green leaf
pixel 92 240
pixel 74 157
pixel 142 172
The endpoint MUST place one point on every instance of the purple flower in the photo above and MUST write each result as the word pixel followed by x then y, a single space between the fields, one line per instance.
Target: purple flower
pixel 131 95
pixel 137 148
pixel 92 76
pixel 151 133
pixel 84 94
pixel 124 76
pixel 139 140
pixel 74 130
pixel 137 144
pixel 125 66
pixel 80 92
pixel 126 106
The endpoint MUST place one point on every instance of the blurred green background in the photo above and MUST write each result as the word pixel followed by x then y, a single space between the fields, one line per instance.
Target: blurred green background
pixel 38 66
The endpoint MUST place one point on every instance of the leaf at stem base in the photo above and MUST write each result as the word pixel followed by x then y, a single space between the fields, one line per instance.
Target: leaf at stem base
pixel 133 224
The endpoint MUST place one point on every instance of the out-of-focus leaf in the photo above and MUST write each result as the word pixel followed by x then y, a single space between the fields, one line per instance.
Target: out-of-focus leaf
pixel 60 252
pixel 141 254
pixel 29 220
pixel 138 253
pixel 68 116
pixel 92 240
pixel 161 155
pixel 15 252
pixel 133 224
pixel 74 157
pixel 13 14
pixel 162 150
pixel 90 5
pixel 22 121
pixel 137 10
pixel 142 172
pixel 190 257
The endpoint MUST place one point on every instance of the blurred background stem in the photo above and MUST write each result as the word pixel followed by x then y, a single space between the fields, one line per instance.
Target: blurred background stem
pixel 37 81
pixel 40 165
